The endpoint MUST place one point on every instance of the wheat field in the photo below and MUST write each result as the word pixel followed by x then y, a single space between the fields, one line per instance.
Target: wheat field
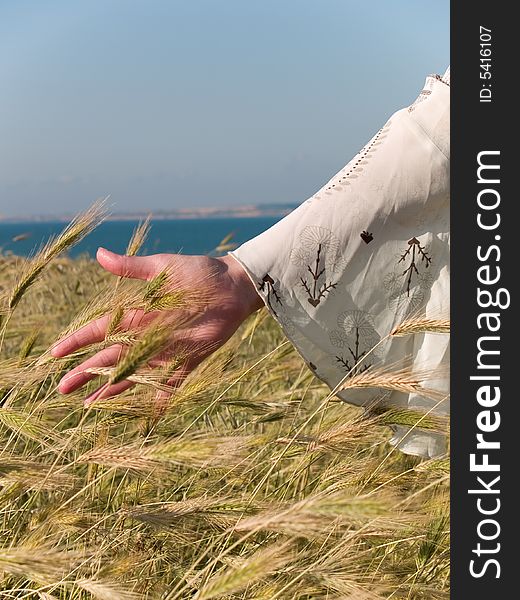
pixel 249 482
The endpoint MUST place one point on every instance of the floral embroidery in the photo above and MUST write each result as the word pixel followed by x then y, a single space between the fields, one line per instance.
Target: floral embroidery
pixel 366 236
pixel 414 252
pixel 318 254
pixel 336 294
pixel 407 287
pixel 315 290
pixel 405 305
pixel 356 336
pixel 267 286
pixel 273 299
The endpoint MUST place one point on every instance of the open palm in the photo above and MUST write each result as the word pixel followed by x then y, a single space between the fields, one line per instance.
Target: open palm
pixel 231 297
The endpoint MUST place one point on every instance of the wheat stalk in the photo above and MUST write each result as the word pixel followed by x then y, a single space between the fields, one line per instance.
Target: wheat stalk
pixel 259 565
pixel 38 564
pixel 139 237
pixel 221 512
pixel 32 475
pixel 26 425
pixel 403 380
pixel 196 451
pixel 28 345
pixel 106 590
pixel 71 235
pixel 148 346
pixel 416 325
pixel 113 503
pixel 412 418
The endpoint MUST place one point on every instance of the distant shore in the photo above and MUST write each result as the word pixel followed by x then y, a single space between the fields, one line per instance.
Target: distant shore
pixel 200 235
pixel 210 212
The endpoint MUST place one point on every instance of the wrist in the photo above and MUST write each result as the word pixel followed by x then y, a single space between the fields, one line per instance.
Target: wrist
pixel 243 287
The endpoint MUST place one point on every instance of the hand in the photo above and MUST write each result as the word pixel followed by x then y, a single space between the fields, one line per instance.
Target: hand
pixel 232 298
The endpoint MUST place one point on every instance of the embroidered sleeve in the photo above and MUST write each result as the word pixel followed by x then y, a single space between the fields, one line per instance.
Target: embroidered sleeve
pixel 368 250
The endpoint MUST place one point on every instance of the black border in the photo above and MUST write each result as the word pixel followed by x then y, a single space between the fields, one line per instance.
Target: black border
pixel 477 126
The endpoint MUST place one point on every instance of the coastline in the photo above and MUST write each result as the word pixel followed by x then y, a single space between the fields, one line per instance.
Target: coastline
pixel 213 212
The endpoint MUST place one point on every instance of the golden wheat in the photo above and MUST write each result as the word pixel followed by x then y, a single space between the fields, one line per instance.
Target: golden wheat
pixel 247 482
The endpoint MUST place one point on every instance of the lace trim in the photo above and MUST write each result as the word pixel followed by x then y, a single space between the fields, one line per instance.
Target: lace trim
pixel 428 86
pixel 446 76
pixel 444 79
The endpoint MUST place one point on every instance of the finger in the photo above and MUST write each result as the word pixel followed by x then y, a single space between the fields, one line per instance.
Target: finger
pixel 187 346
pixel 95 332
pixel 77 377
pixel 107 391
pixel 177 379
pixel 88 334
pixel 136 267
pixel 192 347
pixel 162 396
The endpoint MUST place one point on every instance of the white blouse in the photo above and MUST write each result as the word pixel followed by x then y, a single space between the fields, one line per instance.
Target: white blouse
pixel 367 251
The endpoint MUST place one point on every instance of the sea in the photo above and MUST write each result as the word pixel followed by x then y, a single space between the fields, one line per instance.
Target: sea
pixel 186 236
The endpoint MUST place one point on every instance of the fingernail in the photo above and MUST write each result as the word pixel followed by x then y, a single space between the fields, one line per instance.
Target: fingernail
pixel 54 350
pixel 89 399
pixel 60 383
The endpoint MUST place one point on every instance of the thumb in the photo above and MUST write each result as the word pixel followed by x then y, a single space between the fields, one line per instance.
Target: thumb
pixel 136 267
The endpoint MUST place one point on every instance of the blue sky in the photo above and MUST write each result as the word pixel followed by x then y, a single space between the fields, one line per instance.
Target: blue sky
pixel 169 103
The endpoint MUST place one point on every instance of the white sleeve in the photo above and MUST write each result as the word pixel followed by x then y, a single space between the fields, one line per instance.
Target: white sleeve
pixel 368 250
